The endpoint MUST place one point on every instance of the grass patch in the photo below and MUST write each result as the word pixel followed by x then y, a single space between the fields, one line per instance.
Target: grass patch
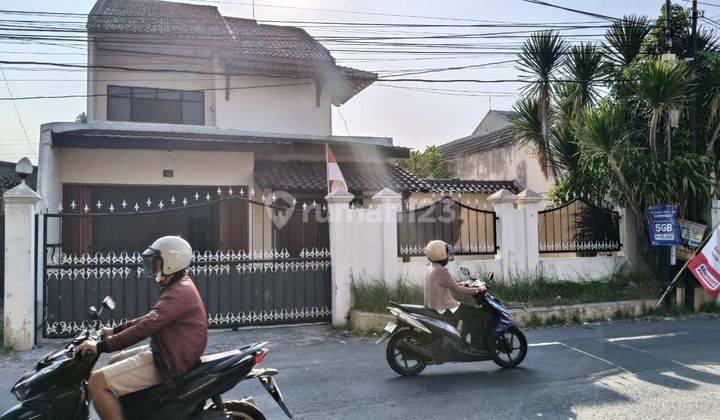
pixel 541 291
pixel 372 295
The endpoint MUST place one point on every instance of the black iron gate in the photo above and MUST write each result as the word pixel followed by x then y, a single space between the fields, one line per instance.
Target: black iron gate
pixel 578 226
pixel 256 261
pixel 472 231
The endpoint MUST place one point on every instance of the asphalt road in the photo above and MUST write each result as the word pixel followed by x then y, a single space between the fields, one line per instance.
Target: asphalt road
pixel 628 369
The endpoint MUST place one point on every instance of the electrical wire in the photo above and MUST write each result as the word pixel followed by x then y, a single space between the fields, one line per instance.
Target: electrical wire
pixel 17 112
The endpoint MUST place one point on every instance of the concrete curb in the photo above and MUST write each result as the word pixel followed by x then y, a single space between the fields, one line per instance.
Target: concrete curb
pixel 374 322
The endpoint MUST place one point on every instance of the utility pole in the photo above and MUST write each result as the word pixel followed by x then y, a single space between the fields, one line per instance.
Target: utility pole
pixel 692 204
pixel 668 28
pixel 693 53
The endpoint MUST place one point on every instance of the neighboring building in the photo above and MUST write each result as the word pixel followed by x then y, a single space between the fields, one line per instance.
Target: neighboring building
pixel 492 152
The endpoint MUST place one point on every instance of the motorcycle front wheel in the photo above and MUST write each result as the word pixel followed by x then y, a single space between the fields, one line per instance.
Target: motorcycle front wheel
pixel 509 348
pixel 402 363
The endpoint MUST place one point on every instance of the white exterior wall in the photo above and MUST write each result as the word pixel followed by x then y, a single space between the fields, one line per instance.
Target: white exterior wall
pixel 256 103
pixel 581 268
pixel 134 167
pixel 362 249
pixel 511 163
pixel 99 79
pixel 282 109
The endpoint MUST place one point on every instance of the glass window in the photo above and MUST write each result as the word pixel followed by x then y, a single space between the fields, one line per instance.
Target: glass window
pixel 155 105
pixel 193 113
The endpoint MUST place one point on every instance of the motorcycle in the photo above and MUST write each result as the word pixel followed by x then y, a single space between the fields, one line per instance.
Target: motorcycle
pixel 56 387
pixel 420 336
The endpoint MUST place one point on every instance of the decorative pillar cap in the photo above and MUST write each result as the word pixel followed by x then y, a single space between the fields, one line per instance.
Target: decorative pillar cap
pixel 338 196
pixel 386 195
pixel 21 193
pixel 501 196
pixel 529 197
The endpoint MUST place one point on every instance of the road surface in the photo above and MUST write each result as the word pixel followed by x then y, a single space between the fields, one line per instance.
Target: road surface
pixel 654 369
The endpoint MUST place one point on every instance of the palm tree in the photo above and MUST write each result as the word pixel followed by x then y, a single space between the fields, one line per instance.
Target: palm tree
pixel 660 85
pixel 565 147
pixel 709 82
pixel 542 54
pixel 583 69
pixel 625 38
pixel 603 137
pixel 528 127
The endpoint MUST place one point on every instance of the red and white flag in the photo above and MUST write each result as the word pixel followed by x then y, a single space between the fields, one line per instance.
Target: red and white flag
pixel 706 265
pixel 335 179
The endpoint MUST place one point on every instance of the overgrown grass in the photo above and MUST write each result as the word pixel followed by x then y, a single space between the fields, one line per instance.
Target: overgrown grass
pixel 372 295
pixel 542 291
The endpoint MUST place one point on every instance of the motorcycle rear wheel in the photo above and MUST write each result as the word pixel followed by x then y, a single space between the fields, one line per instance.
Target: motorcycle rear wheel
pixel 504 348
pixel 243 410
pixel 398 361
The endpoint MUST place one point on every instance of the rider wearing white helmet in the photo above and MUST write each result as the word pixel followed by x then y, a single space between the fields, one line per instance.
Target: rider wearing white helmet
pixel 177 326
pixel 439 286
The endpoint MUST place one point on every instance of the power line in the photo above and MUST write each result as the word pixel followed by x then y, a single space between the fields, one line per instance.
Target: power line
pixel 17 112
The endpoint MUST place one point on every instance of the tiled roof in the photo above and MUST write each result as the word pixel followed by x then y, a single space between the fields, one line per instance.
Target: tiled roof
pixel 465 186
pixel 478 143
pixel 256 48
pixel 251 38
pixel 157 17
pixel 312 176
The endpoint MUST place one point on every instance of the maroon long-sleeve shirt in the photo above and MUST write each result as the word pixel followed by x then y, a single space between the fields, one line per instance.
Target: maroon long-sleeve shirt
pixel 177 324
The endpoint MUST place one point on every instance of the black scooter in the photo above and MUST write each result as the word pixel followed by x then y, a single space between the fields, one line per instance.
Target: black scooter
pixel 56 388
pixel 421 336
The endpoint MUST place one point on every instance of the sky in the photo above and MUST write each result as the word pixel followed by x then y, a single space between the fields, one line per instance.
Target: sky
pixel 434 114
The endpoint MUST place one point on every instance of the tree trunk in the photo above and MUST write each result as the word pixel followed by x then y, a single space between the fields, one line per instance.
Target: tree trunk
pixel 653 130
pixel 711 144
pixel 544 108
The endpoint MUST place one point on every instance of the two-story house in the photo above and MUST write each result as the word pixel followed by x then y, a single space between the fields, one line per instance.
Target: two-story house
pixel 210 127
pixel 182 100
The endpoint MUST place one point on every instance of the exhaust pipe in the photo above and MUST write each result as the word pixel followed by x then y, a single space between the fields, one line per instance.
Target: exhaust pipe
pixel 416 351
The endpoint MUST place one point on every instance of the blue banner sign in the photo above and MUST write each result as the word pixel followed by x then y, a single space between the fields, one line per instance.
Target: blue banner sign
pixel 663 226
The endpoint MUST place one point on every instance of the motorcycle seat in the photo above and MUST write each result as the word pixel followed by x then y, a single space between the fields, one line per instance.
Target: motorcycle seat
pixel 424 311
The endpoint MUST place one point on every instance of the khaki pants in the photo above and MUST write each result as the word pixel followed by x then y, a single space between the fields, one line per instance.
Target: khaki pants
pixel 131 371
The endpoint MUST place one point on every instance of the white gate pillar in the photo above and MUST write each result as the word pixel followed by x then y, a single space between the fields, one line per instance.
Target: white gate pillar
pixel 341 255
pixel 19 317
pixel 389 204
pixel 503 202
pixel 528 202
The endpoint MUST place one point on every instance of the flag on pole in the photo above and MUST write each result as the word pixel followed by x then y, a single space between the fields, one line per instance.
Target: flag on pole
pixel 335 179
pixel 705 266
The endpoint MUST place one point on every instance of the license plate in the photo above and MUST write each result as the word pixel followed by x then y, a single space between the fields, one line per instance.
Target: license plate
pixel 390 327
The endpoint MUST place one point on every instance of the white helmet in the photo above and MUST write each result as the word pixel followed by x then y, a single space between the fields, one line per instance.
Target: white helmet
pixel 438 251
pixel 173 253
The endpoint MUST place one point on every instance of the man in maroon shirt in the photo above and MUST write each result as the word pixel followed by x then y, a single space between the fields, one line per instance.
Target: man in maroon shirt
pixel 177 327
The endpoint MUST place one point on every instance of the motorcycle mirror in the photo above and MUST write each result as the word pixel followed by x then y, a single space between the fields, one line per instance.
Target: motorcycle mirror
pixel 465 272
pixel 108 303
pixel 93 312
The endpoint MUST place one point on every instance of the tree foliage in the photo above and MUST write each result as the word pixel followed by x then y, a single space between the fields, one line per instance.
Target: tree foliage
pixel 427 164
pixel 609 132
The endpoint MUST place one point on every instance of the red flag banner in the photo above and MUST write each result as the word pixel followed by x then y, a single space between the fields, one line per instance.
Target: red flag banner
pixel 705 266
pixel 335 179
